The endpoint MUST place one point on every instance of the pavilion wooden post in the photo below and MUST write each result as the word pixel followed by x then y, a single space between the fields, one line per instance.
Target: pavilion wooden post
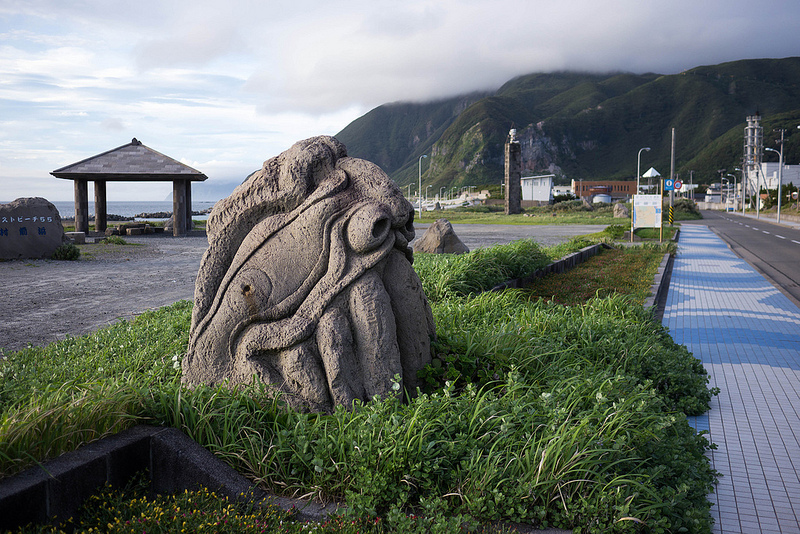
pixel 82 206
pixel 189 224
pixel 100 206
pixel 179 207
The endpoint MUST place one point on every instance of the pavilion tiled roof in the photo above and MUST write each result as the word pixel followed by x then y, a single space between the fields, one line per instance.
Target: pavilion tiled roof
pixel 131 162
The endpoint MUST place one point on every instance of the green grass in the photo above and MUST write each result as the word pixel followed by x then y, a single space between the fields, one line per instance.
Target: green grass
pixel 571 212
pixel 621 271
pixel 552 415
pixel 447 275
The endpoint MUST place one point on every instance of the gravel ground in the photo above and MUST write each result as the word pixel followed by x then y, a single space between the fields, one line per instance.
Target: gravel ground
pixel 44 300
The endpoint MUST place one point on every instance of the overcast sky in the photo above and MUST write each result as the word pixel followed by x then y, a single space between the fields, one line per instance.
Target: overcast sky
pixel 225 85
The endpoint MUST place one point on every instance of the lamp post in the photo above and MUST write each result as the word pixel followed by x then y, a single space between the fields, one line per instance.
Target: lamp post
pixel 426 193
pixel 780 174
pixel 639 166
pixel 721 189
pixel 440 192
pixel 420 185
pixel 409 190
pixel 734 189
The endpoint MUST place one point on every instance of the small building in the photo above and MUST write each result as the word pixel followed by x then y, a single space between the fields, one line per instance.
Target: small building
pixel 767 175
pixel 616 190
pixel 538 188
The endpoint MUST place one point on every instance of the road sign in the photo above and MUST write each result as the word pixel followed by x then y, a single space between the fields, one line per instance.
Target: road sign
pixel 669 184
pixel 678 185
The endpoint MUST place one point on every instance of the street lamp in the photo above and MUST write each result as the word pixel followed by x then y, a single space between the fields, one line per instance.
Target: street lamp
pixel 639 166
pixel 420 185
pixel 734 190
pixel 721 189
pixel 426 193
pixel 440 192
pixel 409 190
pixel 780 175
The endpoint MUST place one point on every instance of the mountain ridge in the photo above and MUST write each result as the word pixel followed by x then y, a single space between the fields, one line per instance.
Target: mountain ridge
pixel 590 126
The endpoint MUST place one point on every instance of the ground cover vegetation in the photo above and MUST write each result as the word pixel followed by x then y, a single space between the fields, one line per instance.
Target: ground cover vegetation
pixel 535 412
pixel 564 212
pixel 568 212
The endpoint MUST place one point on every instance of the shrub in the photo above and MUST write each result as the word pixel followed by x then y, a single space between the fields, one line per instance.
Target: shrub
pixel 68 252
pixel 685 205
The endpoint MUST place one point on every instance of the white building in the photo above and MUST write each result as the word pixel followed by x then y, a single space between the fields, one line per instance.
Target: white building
pixel 767 174
pixel 538 188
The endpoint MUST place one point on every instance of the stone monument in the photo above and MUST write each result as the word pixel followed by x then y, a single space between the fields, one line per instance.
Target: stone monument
pixel 30 228
pixel 307 283
pixel 513 174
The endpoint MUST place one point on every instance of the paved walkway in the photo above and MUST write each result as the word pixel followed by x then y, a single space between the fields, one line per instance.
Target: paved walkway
pixel 747 335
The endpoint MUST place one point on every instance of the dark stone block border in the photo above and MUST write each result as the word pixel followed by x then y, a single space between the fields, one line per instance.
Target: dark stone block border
pixel 54 491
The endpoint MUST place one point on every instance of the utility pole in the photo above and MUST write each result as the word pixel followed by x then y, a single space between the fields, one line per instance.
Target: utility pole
pixel 419 193
pixel 780 176
pixel 672 176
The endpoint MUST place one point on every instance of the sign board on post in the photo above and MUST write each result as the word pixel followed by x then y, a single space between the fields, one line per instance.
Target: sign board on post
pixel 646 211
pixel 669 184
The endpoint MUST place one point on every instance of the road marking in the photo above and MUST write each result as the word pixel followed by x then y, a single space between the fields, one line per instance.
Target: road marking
pixel 765 232
pixel 779 236
pixel 796 242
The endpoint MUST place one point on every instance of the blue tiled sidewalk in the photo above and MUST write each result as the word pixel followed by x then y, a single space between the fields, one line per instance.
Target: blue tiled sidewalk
pixel 747 335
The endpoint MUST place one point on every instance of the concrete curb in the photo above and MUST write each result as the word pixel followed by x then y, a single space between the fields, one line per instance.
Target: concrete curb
pixel 660 288
pixel 54 491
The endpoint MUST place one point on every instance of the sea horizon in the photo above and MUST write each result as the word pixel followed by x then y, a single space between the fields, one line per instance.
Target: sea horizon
pixel 127 208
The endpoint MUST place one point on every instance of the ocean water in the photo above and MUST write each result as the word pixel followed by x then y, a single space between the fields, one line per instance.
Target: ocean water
pixel 66 208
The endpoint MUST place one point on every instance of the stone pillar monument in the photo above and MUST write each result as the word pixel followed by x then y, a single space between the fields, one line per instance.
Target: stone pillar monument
pixel 513 174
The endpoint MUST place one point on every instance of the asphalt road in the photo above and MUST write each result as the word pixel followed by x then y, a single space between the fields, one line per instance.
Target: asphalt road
pixel 772 249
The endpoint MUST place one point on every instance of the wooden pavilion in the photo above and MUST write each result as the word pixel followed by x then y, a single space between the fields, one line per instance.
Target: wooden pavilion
pixel 133 162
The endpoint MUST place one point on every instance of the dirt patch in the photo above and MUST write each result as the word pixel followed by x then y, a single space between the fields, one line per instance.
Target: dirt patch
pixel 45 300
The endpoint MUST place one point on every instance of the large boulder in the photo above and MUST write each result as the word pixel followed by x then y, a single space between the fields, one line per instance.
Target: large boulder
pixel 30 228
pixel 621 211
pixel 440 238
pixel 307 283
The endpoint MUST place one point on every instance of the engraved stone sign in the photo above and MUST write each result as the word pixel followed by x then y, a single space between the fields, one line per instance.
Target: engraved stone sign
pixel 307 283
pixel 29 228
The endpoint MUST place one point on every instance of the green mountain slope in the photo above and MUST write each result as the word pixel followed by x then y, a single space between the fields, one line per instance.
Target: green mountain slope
pixel 586 126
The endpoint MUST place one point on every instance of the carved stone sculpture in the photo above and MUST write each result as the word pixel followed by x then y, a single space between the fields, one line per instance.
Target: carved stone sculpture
pixel 307 283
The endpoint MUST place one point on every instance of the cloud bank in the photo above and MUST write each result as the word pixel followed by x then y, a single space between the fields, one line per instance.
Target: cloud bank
pixel 227 85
